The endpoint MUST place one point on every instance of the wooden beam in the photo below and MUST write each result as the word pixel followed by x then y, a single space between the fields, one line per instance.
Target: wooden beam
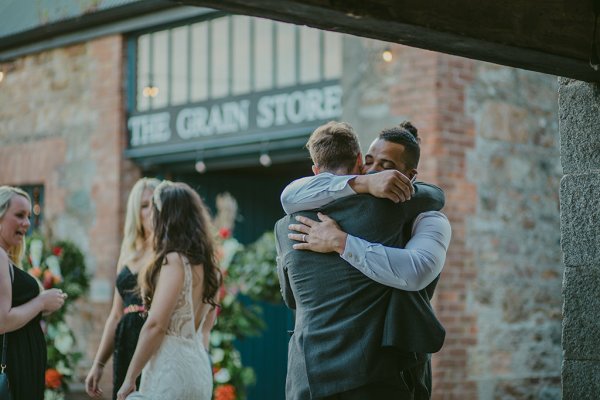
pixel 549 41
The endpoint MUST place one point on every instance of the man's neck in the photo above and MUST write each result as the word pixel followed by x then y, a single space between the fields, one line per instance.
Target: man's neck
pixel 338 171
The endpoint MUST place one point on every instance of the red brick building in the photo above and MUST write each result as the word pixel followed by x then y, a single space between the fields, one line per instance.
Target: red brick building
pixel 69 100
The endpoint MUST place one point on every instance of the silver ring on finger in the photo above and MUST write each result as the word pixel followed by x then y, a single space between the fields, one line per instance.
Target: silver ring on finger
pixel 304 238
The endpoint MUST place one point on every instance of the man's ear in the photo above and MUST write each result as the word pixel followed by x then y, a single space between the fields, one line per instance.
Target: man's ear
pixel 359 163
pixel 315 169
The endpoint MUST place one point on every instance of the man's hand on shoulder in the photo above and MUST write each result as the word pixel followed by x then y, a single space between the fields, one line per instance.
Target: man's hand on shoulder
pixel 390 184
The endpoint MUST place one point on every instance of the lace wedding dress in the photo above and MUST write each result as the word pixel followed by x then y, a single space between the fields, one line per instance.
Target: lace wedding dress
pixel 180 369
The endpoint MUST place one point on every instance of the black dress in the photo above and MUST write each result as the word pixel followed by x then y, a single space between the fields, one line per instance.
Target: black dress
pixel 128 330
pixel 26 347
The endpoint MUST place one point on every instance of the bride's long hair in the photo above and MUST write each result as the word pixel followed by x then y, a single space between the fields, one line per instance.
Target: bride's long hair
pixel 182 225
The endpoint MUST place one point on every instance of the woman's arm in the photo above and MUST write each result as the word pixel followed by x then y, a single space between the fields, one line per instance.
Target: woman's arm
pixel 106 348
pixel 168 287
pixel 209 322
pixel 13 318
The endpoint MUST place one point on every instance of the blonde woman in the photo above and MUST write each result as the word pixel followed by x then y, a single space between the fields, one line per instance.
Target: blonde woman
pixel 126 318
pixel 179 288
pixel 21 302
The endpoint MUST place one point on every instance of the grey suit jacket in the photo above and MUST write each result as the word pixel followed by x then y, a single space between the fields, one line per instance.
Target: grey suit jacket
pixel 342 317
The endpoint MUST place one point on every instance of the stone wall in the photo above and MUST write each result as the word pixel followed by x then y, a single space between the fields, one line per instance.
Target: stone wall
pixel 61 125
pixel 514 235
pixel 580 233
pixel 490 140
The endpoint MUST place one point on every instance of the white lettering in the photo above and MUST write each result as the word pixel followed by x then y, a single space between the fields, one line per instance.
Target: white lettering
pixel 222 118
pixel 299 106
pixel 296 106
pixel 332 105
pixel 265 116
pixel 149 129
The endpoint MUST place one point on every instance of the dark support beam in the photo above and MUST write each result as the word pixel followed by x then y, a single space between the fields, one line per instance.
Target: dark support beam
pixel 552 37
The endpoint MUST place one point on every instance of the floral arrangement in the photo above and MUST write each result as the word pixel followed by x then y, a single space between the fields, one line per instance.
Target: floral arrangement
pixel 249 271
pixel 255 270
pixel 58 264
pixel 235 320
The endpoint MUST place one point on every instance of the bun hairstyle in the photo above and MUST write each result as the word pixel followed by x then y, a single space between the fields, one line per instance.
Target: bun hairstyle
pixel 407 135
pixel 181 225
pixel 407 125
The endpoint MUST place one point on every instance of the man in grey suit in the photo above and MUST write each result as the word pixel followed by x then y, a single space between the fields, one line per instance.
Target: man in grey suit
pixel 353 337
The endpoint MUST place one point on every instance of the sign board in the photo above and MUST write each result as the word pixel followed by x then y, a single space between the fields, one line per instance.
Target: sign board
pixel 256 113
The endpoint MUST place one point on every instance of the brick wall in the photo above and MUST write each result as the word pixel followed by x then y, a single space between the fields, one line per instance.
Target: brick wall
pixel 489 139
pixel 61 125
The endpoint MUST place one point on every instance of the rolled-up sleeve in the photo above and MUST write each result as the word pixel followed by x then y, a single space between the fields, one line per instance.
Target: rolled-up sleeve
pixel 316 191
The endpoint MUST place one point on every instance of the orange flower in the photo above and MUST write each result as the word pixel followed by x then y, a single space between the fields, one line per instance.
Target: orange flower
pixel 35 271
pixel 225 392
pixel 53 378
pixel 47 283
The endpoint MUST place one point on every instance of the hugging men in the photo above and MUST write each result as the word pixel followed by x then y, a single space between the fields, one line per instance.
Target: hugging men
pixel 364 324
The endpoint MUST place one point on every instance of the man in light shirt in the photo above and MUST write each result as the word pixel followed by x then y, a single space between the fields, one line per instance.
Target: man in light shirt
pixel 420 264
pixel 391 166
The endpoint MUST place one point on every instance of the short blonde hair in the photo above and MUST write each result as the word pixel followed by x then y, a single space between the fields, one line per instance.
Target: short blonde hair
pixel 333 146
pixel 6 195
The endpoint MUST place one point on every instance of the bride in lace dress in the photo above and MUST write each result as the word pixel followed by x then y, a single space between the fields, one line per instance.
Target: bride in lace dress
pixel 179 288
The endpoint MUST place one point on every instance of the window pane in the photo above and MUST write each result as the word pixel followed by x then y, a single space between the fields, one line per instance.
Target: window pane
pixel 241 55
pixel 143 72
pixel 159 78
pixel 199 61
pixel 179 80
pixel 309 55
pixel 263 54
pixel 286 55
pixel 219 59
pixel 333 55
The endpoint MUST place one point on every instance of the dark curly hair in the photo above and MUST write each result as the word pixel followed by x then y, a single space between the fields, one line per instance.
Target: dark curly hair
pixel 407 135
pixel 182 225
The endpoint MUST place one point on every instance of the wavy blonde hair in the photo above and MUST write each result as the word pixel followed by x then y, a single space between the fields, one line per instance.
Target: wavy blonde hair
pixel 6 194
pixel 133 231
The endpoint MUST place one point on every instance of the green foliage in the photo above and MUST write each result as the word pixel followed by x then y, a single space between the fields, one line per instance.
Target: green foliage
pixel 254 268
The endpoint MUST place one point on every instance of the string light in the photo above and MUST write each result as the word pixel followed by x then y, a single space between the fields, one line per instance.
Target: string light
pixel 387 55
pixel 265 160
pixel 200 167
pixel 150 91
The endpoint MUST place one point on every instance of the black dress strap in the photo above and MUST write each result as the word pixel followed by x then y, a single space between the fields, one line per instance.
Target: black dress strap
pixel 3 362
pixel 4 338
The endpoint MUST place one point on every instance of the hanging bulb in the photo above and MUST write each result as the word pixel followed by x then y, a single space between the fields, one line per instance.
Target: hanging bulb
pixel 265 160
pixel 387 55
pixel 200 166
pixel 150 91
